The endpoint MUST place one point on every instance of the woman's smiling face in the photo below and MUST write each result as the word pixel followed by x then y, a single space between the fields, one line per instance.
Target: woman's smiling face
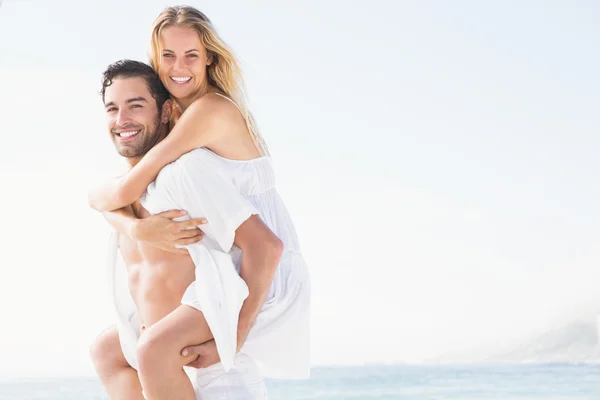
pixel 183 61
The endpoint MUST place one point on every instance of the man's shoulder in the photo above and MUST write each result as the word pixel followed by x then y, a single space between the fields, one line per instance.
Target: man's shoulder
pixel 194 156
pixel 195 160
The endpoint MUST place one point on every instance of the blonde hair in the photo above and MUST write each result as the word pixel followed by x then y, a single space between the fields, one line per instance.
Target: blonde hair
pixel 224 72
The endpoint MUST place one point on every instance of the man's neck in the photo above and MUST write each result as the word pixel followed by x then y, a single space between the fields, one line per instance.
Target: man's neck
pixel 132 161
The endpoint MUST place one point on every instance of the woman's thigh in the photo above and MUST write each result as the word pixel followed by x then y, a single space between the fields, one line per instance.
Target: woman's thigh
pixel 185 326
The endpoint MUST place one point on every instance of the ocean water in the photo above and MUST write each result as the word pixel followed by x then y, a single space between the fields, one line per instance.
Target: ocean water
pixel 522 382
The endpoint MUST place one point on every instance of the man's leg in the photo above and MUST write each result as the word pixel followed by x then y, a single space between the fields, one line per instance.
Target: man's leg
pixel 159 354
pixel 119 379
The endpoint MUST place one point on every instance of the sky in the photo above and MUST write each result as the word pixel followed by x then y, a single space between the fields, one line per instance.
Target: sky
pixel 439 161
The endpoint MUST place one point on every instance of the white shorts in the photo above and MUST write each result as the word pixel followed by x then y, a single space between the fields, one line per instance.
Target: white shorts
pixel 242 382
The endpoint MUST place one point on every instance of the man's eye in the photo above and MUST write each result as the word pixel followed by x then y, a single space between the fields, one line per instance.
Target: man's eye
pixel 111 109
pixel 136 106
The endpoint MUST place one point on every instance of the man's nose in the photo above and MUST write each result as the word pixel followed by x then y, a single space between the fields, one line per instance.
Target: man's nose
pixel 123 117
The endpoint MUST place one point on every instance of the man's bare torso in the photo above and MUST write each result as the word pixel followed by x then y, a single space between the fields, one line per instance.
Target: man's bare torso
pixel 157 279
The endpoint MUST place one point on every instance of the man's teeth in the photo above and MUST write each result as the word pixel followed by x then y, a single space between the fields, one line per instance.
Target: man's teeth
pixel 181 80
pixel 128 133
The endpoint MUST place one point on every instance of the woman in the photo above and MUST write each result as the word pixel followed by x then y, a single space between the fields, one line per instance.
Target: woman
pixel 204 79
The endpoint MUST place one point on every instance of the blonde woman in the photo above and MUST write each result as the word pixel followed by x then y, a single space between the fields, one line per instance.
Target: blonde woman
pixel 205 82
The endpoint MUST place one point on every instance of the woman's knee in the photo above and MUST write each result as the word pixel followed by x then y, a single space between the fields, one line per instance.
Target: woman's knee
pixel 106 349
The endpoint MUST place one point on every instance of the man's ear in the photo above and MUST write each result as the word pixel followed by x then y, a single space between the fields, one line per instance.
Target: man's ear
pixel 167 110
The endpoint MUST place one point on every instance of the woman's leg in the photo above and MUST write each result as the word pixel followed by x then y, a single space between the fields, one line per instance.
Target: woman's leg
pixel 119 379
pixel 159 354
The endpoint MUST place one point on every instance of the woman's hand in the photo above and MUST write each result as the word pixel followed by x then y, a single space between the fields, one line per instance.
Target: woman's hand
pixel 160 231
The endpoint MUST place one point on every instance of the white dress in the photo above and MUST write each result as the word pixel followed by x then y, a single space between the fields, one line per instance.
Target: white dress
pixel 227 192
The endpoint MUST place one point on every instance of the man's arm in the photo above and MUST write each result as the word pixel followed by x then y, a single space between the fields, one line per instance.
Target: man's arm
pixel 261 252
pixel 198 187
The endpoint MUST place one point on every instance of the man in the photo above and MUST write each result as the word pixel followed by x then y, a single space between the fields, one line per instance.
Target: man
pixel 138 113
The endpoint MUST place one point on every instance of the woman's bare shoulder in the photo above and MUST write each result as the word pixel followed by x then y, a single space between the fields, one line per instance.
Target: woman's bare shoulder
pixel 215 105
pixel 220 113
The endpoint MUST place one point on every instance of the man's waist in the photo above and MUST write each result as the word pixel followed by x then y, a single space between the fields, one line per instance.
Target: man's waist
pixel 150 282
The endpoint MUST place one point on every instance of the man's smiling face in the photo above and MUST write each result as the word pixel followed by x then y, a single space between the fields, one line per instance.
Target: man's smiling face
pixel 134 121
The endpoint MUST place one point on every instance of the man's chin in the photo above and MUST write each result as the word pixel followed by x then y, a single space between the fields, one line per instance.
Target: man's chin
pixel 129 153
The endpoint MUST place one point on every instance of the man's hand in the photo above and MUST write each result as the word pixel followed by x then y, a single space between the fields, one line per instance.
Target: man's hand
pixel 207 354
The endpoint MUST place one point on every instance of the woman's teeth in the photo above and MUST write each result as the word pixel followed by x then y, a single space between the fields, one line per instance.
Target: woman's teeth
pixel 180 80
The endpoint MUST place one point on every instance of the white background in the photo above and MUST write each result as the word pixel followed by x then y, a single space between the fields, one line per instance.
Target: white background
pixel 440 163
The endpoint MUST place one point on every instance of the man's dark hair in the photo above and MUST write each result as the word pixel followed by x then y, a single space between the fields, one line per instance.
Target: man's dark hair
pixel 136 69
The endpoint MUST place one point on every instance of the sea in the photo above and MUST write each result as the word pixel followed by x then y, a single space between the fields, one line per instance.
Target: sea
pixel 448 382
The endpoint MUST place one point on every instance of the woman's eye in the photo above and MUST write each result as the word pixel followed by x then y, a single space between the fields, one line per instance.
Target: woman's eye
pixel 167 55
